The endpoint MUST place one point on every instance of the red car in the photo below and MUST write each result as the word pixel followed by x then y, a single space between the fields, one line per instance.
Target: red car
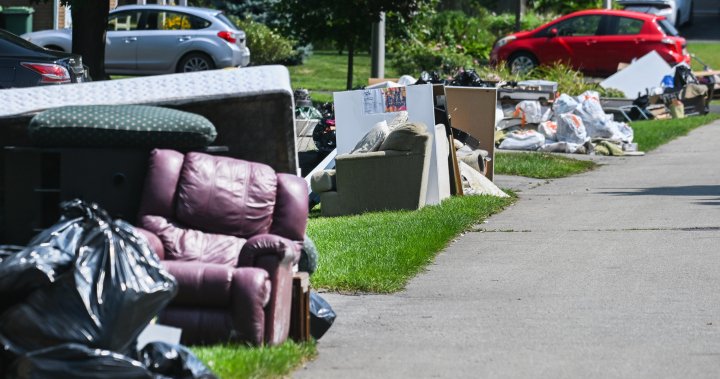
pixel 592 41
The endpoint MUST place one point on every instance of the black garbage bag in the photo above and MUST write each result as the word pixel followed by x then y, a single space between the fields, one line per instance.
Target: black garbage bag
pixel 49 254
pixel 77 362
pixel 173 361
pixel 322 315
pixel 115 286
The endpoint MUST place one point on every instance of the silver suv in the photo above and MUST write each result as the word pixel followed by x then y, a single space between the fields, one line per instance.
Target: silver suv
pixel 161 39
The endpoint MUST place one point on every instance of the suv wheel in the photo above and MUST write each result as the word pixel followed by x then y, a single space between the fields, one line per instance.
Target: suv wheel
pixel 195 62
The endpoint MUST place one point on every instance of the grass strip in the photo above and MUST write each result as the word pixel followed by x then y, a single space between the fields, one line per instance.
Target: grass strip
pixel 379 252
pixel 242 362
pixel 539 165
pixel 649 134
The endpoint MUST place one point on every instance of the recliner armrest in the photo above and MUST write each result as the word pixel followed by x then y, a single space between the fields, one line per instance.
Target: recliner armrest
pixel 263 245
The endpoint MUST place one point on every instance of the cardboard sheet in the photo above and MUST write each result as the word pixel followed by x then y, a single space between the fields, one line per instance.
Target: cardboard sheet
pixel 472 110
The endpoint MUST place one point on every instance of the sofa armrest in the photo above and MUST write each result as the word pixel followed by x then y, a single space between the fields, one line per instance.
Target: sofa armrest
pixel 276 255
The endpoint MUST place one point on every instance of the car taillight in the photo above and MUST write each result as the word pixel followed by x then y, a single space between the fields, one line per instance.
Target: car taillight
pixel 227 36
pixel 674 44
pixel 49 72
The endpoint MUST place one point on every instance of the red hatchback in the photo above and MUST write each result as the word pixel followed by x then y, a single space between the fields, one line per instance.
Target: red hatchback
pixel 592 41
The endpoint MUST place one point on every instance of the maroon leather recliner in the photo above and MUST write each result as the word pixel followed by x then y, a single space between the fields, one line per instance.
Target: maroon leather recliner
pixel 230 232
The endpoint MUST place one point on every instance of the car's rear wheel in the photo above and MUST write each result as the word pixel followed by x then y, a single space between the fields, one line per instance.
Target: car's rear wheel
pixel 522 62
pixel 195 62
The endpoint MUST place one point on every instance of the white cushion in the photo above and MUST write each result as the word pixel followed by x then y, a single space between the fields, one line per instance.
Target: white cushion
pixel 373 139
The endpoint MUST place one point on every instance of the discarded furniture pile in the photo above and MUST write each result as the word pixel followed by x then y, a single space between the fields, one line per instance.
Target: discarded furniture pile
pixel 180 206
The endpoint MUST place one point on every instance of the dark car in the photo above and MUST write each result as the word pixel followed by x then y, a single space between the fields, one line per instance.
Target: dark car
pixel 24 64
pixel 592 41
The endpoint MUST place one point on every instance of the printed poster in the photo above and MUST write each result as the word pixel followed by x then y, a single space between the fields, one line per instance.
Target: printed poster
pixel 385 100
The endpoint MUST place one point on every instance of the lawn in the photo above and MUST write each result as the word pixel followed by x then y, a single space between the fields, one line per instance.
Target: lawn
pixel 650 134
pixel 326 71
pixel 241 362
pixel 708 52
pixel 380 252
pixel 539 165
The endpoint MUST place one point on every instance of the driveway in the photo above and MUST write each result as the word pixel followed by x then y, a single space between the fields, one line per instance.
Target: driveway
pixel 608 274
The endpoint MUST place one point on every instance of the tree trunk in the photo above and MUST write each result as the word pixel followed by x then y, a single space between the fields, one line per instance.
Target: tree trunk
pixel 351 55
pixel 88 34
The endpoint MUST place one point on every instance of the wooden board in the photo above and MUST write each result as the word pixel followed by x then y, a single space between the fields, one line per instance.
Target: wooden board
pixel 472 110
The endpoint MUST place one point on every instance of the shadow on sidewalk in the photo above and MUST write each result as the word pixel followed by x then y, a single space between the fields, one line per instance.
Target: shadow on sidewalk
pixel 703 190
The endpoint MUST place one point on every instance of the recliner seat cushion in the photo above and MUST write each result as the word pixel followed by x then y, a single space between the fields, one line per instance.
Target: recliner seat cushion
pixel 226 196
pixel 121 126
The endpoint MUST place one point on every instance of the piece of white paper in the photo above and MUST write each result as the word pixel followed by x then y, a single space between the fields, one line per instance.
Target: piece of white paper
pixel 157 332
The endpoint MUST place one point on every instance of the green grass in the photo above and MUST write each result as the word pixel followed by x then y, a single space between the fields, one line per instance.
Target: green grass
pixel 326 71
pixel 379 252
pixel 652 133
pixel 238 361
pixel 708 52
pixel 539 165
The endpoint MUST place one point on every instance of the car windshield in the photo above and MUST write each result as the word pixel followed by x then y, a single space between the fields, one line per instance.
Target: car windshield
pixel 667 28
pixel 225 21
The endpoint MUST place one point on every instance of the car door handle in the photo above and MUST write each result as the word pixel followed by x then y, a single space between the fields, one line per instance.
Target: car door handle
pixel 130 39
pixel 591 42
pixel 184 38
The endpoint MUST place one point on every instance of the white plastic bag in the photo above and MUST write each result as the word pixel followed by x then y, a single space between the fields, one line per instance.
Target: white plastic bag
pixel 530 111
pixel 570 128
pixel 560 147
pixel 597 123
pixel 564 104
pixel 549 130
pixel 523 140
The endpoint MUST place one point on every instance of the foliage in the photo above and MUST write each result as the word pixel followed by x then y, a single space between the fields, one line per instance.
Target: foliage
pixel 381 251
pixel 569 81
pixel 652 133
pixel 539 165
pixel 266 46
pixel 344 22
pixel 563 6
pixel 448 40
pixel 241 362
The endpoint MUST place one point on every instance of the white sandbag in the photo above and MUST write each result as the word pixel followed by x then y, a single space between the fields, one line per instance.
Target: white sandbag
pixel 549 130
pixel 564 104
pixel 560 147
pixel 571 129
pixel 523 140
pixel 530 111
pixel 475 183
pixel 597 123
pixel 625 131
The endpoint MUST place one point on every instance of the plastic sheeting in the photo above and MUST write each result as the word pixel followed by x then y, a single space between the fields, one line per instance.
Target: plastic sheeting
pixel 322 315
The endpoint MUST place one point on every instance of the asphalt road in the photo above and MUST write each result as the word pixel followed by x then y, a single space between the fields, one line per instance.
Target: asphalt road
pixel 609 274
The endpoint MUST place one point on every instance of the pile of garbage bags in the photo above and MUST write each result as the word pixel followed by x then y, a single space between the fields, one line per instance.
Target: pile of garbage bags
pixel 572 125
pixel 75 299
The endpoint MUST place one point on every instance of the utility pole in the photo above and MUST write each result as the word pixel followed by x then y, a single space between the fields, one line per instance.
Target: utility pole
pixel 377 69
pixel 607 4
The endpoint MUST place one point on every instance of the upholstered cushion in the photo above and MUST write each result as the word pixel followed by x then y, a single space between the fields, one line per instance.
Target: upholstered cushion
pixel 184 244
pixel 323 181
pixel 120 126
pixel 225 195
pixel 373 139
pixel 410 137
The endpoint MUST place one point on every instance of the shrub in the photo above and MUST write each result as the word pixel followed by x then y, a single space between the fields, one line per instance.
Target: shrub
pixel 266 46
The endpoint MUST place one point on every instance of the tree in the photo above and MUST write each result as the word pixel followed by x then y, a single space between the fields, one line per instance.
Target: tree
pixel 88 33
pixel 343 21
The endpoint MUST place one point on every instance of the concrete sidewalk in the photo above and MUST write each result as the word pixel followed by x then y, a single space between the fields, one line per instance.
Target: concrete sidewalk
pixel 613 273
